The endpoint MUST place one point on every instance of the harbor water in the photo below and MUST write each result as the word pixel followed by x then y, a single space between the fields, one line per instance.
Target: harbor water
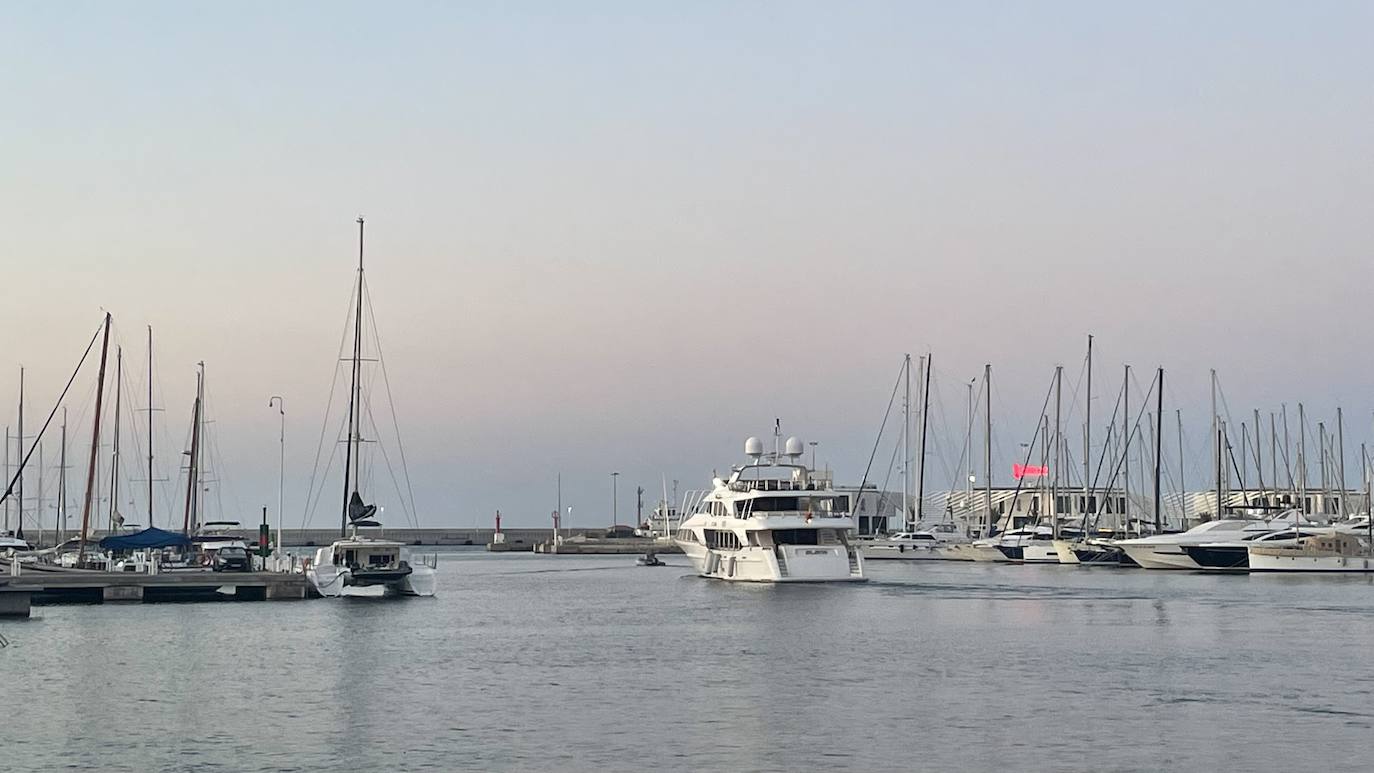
pixel 526 662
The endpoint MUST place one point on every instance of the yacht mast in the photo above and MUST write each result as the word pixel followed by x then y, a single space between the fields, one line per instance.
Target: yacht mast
pixel 354 398
pixel 1088 437
pixel 192 478
pixel 19 490
pixel 62 483
pixel 1302 460
pixel 1216 444
pixel 987 448
pixel 1058 446
pixel 95 444
pixel 968 457
pixel 921 458
pixel 114 455
pixel 1159 448
pixel 906 445
pixel 1126 450
pixel 150 425
pixel 1340 460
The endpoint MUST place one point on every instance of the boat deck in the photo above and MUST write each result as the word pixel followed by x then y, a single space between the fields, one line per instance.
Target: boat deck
pixel 18 592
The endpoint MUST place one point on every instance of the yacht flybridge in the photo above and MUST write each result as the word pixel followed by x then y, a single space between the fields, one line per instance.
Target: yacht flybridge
pixel 772 520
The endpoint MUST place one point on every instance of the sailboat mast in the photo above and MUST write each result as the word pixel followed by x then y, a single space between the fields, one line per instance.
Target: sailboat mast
pixel 114 455
pixel 95 443
pixel 1340 460
pixel 150 425
pixel 1302 460
pixel 906 445
pixel 62 483
pixel 921 457
pixel 1088 436
pixel 20 488
pixel 987 448
pixel 191 476
pixel 1058 447
pixel 354 409
pixel 1159 449
pixel 1126 450
pixel 1216 445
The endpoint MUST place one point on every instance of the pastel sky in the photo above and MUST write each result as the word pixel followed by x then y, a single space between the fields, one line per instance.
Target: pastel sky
pixel 624 236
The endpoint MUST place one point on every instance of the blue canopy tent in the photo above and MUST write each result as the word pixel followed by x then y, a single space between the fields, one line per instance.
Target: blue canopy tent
pixel 151 537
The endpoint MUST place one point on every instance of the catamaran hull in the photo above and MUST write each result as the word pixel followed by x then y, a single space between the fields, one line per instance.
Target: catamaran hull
pixel 334 582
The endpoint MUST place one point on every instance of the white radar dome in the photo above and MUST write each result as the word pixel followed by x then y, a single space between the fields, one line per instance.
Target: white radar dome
pixel 753 447
pixel 795 447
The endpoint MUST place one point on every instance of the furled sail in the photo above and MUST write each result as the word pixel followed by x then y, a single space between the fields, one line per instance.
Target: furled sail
pixel 358 511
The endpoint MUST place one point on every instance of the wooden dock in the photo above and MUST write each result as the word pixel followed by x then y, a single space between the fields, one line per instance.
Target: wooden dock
pixel 19 592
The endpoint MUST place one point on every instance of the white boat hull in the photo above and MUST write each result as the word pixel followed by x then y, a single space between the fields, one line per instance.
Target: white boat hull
pixel 332 582
pixel 903 552
pixel 1039 552
pixel 1300 563
pixel 1160 556
pixel 786 563
pixel 1064 549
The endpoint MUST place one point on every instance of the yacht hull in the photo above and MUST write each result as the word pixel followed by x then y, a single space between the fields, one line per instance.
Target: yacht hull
pixel 1064 549
pixel 1300 563
pixel 1159 556
pixel 903 553
pixel 337 582
pixel 783 564
pixel 1040 552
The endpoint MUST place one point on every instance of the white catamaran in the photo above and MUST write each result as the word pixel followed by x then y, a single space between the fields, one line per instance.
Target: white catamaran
pixel 355 564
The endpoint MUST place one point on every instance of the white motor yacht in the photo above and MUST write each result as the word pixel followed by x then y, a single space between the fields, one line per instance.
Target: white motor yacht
pixel 1333 552
pixel 926 544
pixel 772 520
pixel 1166 551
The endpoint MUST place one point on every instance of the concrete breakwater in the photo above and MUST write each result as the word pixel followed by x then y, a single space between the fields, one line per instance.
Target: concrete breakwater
pixel 296 538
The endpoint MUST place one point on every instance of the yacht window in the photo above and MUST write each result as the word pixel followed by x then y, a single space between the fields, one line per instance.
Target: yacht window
pixel 722 540
pixel 795 537
pixel 776 505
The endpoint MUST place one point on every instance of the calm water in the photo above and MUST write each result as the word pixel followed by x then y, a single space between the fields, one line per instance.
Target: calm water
pixel 528 663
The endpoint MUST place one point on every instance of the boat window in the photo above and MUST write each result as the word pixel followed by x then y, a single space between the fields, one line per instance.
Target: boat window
pixel 795 537
pixel 722 540
pixel 775 505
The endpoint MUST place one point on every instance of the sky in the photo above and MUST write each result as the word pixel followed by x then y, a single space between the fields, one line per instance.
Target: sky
pixel 622 237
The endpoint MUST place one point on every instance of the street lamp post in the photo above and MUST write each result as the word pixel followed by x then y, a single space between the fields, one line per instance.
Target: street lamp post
pixel 615 500
pixel 281 467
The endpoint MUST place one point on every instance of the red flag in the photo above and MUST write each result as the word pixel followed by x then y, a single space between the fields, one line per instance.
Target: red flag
pixel 1019 471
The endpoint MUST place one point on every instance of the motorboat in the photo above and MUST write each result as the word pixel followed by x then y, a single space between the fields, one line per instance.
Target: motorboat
pixel 649 559
pixel 1332 552
pixel 772 520
pixel 927 544
pixel 1234 555
pixel 1166 551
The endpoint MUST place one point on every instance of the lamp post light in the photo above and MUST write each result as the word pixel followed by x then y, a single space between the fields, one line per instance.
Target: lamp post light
pixel 280 404
pixel 615 500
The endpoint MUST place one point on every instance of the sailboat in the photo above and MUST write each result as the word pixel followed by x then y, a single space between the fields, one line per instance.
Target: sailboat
pixel 356 564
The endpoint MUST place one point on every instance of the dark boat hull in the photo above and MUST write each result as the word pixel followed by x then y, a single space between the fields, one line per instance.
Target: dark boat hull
pixel 1213 557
